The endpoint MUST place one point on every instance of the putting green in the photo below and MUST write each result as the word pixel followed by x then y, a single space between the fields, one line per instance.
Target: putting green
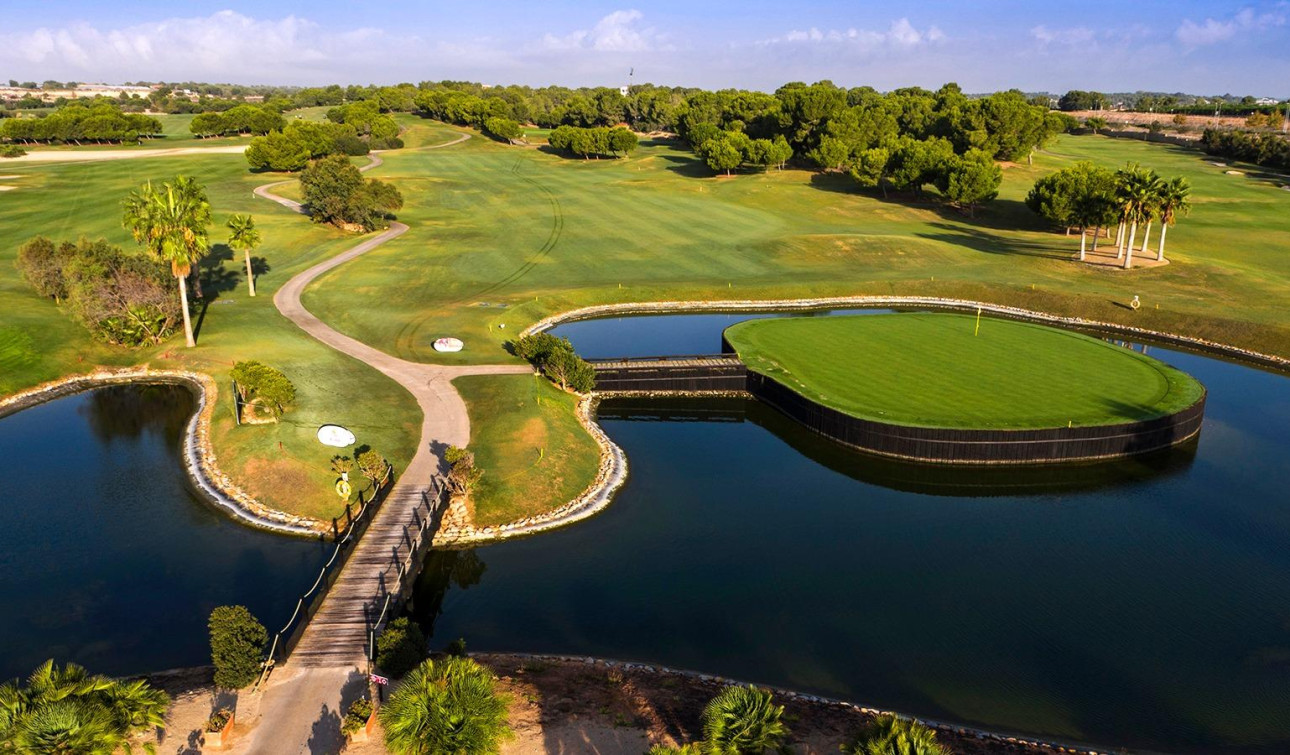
pixel 935 370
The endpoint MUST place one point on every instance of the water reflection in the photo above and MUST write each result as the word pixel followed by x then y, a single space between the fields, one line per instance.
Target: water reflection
pixel 443 570
pixel 928 479
pixel 128 411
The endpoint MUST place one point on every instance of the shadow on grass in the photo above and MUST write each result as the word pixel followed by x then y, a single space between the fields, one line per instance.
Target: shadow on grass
pixel 982 240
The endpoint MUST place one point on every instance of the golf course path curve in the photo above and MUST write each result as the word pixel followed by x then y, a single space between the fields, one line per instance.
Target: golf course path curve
pixel 330 657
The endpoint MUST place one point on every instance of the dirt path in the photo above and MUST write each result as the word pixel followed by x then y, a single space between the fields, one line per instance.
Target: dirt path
pixel 299 709
pixel 69 156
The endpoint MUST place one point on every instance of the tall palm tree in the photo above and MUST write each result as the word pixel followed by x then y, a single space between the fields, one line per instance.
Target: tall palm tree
pixel 1133 197
pixel 170 222
pixel 244 237
pixel 1125 178
pixel 1152 187
pixel 1174 198
pixel 445 706
pixel 743 720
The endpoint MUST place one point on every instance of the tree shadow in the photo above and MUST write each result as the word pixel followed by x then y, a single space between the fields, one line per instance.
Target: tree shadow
pixel 983 241
pixel 325 737
pixel 260 266
pixel 687 165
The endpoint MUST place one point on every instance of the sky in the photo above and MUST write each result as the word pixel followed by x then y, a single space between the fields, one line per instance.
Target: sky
pixel 1194 46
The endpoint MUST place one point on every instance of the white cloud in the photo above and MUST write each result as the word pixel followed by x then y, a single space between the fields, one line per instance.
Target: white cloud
pixel 900 35
pixel 618 32
pixel 1214 31
pixel 1078 35
pixel 223 46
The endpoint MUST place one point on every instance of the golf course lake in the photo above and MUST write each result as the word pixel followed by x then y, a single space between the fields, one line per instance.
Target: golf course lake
pixel 107 557
pixel 1139 603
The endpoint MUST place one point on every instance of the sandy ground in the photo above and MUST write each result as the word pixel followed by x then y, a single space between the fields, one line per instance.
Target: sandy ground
pixel 562 708
pixel 55 156
pixel 1118 117
pixel 7 188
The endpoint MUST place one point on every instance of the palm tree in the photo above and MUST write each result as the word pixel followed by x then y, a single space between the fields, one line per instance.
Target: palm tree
pixel 244 237
pixel 889 735
pixel 170 223
pixel 1133 197
pixel 1174 197
pixel 445 706
pixel 743 721
pixel 1152 188
pixel 66 710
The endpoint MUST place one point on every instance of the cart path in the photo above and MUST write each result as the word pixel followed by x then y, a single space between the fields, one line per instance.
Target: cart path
pixel 331 653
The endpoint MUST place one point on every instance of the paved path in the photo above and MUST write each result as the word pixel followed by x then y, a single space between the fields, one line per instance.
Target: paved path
pixel 70 156
pixel 303 699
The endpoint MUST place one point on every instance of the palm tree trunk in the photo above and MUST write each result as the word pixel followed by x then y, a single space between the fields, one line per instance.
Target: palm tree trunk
pixel 1119 241
pixel 250 276
pixel 1146 238
pixel 1128 255
pixel 1097 232
pixel 183 305
pixel 1160 251
pixel 1083 242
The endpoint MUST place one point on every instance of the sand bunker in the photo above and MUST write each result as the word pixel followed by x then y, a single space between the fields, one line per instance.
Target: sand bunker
pixel 7 188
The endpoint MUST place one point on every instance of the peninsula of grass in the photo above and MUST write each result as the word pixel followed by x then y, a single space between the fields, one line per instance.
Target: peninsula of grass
pixel 938 370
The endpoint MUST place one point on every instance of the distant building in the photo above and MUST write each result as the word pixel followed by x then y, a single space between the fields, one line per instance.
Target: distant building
pixel 623 90
pixel 1265 101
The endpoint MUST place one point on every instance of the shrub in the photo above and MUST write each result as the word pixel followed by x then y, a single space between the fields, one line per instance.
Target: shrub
pixel 889 735
pixel 445 706
pixel 237 646
pixel 12 150
pixel 263 386
pixel 557 360
pixel 67 710
pixel 218 720
pixel 122 298
pixel 373 466
pixel 743 720
pixel 356 717
pixel 401 647
pixel 462 472
pixel 456 648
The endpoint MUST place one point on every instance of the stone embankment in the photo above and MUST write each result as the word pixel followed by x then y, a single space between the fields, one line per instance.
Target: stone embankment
pixel 457 530
pixel 199 454
pixel 929 302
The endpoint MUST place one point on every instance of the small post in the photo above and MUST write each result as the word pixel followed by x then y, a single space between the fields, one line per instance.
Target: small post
pixel 978 322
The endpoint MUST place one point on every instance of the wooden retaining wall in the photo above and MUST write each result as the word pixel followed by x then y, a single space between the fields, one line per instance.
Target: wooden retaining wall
pixel 718 373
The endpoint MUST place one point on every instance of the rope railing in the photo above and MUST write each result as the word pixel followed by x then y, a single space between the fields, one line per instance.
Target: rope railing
pixel 406 567
pixel 356 523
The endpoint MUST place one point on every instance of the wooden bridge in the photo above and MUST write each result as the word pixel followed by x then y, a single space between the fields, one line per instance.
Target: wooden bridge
pixel 695 373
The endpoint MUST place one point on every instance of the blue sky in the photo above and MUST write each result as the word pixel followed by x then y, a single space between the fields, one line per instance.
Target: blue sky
pixel 1200 46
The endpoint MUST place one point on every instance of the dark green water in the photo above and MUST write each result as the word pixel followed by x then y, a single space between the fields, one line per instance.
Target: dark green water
pixel 107 558
pixel 1144 603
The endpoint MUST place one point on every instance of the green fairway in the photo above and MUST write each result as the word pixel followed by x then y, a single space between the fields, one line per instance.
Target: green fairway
pixel 501 236
pixel 534 453
pixel 281 464
pixel 937 370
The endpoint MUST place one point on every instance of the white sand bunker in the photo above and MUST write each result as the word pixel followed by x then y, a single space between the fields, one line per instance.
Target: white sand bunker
pixel 7 188
pixel 8 178
pixel 1234 172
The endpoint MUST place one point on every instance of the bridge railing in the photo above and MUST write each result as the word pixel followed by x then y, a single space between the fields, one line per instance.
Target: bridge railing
pixel 357 517
pixel 407 569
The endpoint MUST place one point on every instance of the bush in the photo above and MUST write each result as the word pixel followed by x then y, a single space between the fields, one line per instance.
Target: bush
pixel 462 472
pixel 237 646
pixel 456 648
pixel 263 386
pixel 122 298
pixel 889 735
pixel 67 710
pixel 557 360
pixel 401 647
pixel 218 720
pixel 356 717
pixel 446 706
pixel 743 720
pixel 12 150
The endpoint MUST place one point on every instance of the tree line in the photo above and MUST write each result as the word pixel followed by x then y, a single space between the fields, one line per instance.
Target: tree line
pixel 241 119
pixel 76 123
pixel 594 141
pixel 353 129
pixel 1268 149
pixel 1088 196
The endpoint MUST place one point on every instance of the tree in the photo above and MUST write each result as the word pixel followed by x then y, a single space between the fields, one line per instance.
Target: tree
pixel 743 721
pixel 1096 124
pixel 720 154
pixel 462 472
pixel 237 646
pixel 832 153
pixel 373 466
pixel 1173 200
pixel 401 647
pixel 889 735
pixel 67 711
pixel 263 386
pixel 40 262
pixel 445 706
pixel 970 179
pixel 622 141
pixel 335 192
pixel 170 223
pixel 504 128
pixel 342 465
pixel 244 237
